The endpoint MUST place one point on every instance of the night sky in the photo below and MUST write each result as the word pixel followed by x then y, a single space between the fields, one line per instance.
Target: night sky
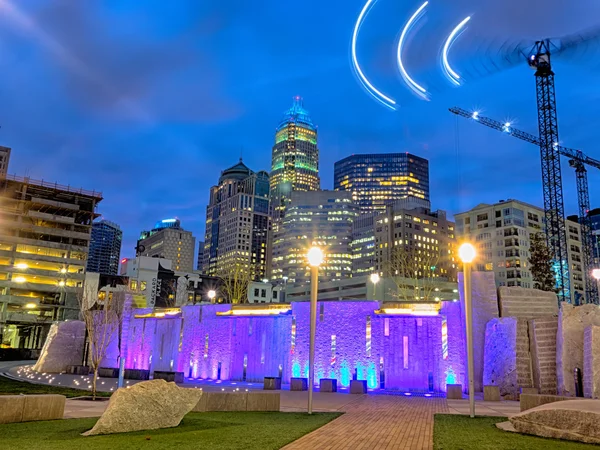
pixel 147 101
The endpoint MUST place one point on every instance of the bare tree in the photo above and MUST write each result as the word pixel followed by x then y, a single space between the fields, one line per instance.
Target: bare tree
pixel 235 280
pixel 413 272
pixel 102 319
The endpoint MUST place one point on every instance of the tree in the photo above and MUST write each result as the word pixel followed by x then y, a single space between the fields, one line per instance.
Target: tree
pixel 102 319
pixel 413 272
pixel 235 280
pixel 540 263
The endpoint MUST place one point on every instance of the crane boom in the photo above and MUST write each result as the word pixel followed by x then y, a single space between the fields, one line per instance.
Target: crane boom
pixel 578 160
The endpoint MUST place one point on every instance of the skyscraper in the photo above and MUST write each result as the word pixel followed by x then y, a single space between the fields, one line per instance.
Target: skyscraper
pixel 377 180
pixel 105 248
pixel 168 240
pixel 237 223
pixel 322 218
pixel 295 160
pixel 4 159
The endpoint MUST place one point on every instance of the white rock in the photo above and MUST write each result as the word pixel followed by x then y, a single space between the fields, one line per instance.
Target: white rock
pixel 63 347
pixel 572 321
pixel 148 405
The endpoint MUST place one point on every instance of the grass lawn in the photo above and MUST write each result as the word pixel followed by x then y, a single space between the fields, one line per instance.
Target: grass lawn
pixel 461 432
pixel 213 430
pixel 12 387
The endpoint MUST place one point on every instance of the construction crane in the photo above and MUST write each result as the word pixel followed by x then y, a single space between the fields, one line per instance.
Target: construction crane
pixel 578 160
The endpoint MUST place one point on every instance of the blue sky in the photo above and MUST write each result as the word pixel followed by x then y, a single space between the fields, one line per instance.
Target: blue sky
pixel 149 101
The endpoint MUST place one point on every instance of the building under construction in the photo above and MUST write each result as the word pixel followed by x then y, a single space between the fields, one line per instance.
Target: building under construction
pixel 45 233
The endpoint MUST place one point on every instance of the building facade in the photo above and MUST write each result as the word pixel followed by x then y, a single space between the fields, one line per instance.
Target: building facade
pixel 105 248
pixel 169 241
pixel 594 216
pixel 501 233
pixel 377 180
pixel 44 243
pixel 200 260
pixel 295 158
pixel 322 218
pixel 237 223
pixel 363 244
pixel 4 160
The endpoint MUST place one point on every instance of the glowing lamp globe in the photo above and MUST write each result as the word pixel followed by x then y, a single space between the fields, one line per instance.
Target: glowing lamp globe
pixel 315 256
pixel 596 274
pixel 466 253
pixel 375 278
pixel 212 294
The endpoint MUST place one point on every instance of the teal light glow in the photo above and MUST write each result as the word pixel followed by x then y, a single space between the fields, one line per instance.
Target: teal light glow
pixel 300 165
pixel 371 376
pixel 450 376
pixel 296 369
pixel 345 375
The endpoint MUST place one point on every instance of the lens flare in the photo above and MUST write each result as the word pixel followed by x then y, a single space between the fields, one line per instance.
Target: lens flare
pixel 450 73
pixel 412 84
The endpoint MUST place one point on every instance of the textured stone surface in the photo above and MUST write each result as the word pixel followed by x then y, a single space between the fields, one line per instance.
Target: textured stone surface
pixel 572 321
pixel 591 362
pixel 222 401
pixel 358 387
pixel 454 391
pixel 575 420
pixel 485 308
pixel 43 407
pixel 542 345
pixel 526 303
pixel 63 347
pixel 11 408
pixel 328 385
pixel 507 362
pixel 263 401
pixel 491 393
pixel 298 384
pixel 530 401
pixel 272 384
pixel 530 390
pixel 148 405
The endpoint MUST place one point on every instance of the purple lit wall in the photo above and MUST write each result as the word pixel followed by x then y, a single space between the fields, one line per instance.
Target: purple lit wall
pixel 351 341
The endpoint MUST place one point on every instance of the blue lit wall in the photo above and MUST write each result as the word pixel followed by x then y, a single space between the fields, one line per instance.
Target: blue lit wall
pixel 408 352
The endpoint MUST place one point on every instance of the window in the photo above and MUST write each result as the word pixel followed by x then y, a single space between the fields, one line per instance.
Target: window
pixel 133 285
pixel 275 295
pixel 263 293
pixel 482 217
pixel 498 214
pixel 256 292
pixel 142 286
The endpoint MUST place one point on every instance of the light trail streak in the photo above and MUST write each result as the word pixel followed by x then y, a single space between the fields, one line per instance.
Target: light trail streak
pixel 416 88
pixel 450 73
pixel 372 90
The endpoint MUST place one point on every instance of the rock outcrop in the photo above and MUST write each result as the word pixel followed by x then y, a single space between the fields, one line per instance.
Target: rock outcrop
pixel 572 321
pixel 148 405
pixel 575 420
pixel 63 347
pixel 591 362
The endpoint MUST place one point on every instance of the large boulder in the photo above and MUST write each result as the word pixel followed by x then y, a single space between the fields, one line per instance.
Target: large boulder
pixel 148 405
pixel 63 347
pixel 575 420
pixel 572 321
pixel 591 362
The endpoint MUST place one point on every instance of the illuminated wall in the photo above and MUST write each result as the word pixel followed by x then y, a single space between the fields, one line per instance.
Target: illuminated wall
pixel 352 341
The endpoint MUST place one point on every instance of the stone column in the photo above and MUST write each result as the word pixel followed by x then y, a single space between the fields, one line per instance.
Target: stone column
pixel 591 362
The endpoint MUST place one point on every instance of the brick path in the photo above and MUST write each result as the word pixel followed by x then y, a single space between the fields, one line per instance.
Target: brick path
pixel 378 422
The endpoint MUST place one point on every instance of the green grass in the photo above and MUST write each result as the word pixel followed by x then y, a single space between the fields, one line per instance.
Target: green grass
pixel 13 387
pixel 454 432
pixel 214 430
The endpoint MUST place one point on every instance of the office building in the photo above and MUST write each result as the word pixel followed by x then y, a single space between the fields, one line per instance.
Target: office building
pixel 295 158
pixel 44 242
pixel 200 259
pixel 501 233
pixel 105 248
pixel 377 180
pixel 237 223
pixel 322 218
pixel 594 216
pixel 363 244
pixel 169 241
pixel 4 160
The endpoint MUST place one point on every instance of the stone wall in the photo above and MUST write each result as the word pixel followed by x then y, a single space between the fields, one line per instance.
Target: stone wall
pixel 572 321
pixel 526 303
pixel 542 344
pixel 485 308
pixel 591 362
pixel 507 362
pixel 63 347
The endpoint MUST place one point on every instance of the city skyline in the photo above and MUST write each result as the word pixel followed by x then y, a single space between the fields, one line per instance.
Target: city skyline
pixel 153 160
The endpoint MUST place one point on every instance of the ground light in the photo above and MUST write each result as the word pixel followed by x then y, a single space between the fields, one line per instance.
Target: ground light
pixel 467 253
pixel 315 259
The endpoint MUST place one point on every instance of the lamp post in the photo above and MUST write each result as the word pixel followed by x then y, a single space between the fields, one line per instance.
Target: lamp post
pixel 315 259
pixel 211 295
pixel 375 279
pixel 466 253
pixel 596 275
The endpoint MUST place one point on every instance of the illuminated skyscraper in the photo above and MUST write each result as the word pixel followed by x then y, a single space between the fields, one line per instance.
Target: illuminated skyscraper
pixel 295 161
pixel 378 180
pixel 105 248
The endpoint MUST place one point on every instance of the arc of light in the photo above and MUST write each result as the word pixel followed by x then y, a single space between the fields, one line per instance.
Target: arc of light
pixel 450 73
pixel 416 88
pixel 375 93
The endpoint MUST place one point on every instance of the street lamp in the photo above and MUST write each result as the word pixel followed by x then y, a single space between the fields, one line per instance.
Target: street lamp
pixel 315 259
pixel 375 279
pixel 466 253
pixel 212 294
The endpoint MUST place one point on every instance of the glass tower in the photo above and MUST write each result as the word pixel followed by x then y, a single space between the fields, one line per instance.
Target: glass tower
pixel 105 248
pixel 295 160
pixel 376 180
